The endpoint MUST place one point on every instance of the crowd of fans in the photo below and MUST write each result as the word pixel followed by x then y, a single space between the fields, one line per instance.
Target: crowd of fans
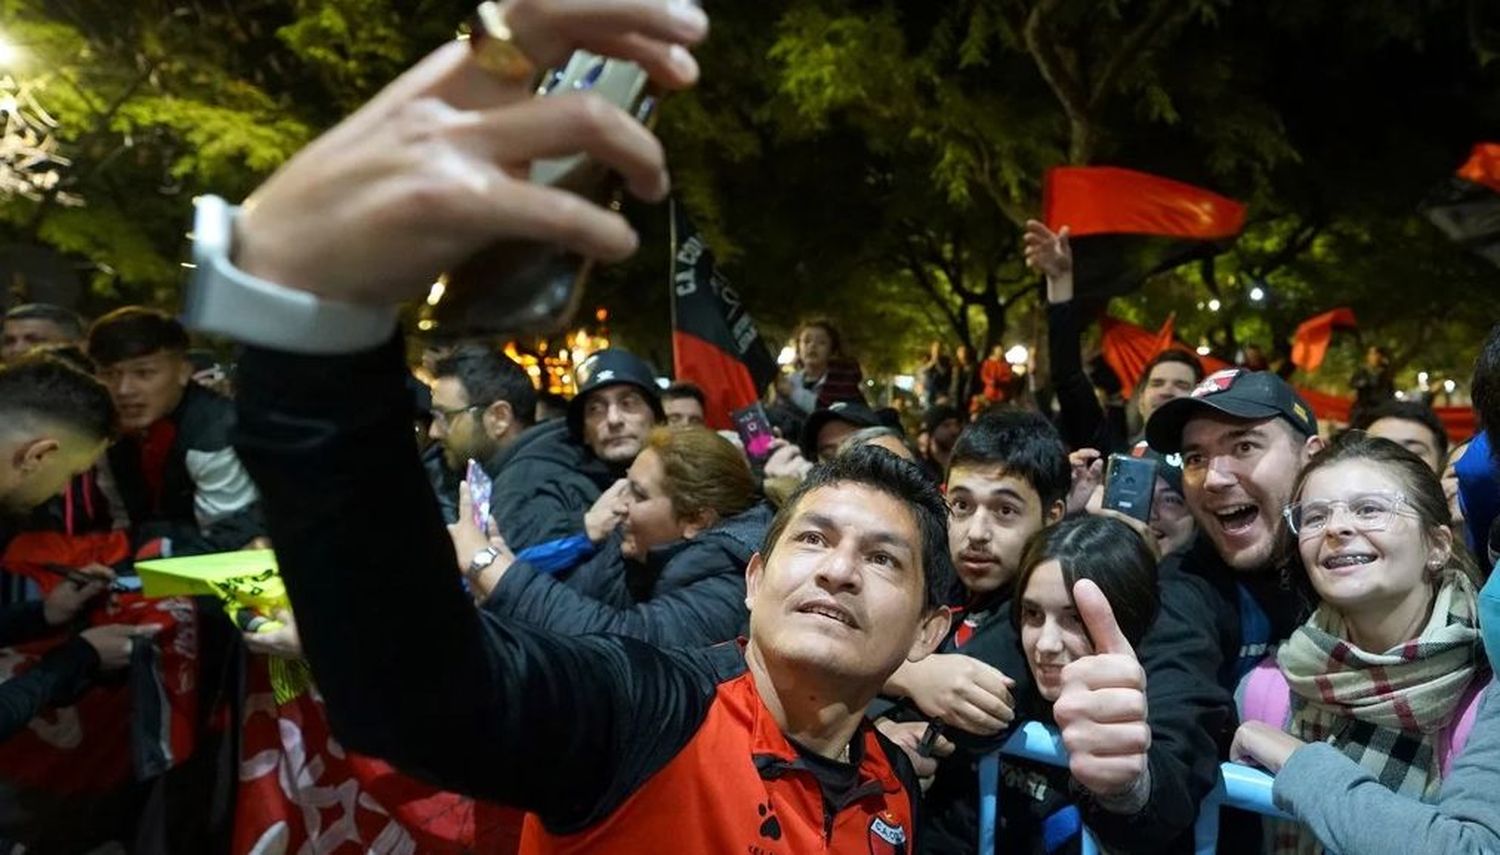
pixel 649 641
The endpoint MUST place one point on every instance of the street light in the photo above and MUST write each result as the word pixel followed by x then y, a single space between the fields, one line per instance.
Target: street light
pixel 1257 294
pixel 1214 305
pixel 1018 355
pixel 1204 350
pixel 787 356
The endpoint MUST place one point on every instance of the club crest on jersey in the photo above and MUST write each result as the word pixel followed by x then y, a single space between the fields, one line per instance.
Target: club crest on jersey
pixel 887 835
pixel 1219 381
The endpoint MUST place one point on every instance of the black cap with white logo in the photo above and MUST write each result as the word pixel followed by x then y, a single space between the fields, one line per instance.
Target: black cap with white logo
pixel 1250 395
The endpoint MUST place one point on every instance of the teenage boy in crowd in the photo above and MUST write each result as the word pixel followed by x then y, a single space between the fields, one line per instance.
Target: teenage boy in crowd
pixel 181 484
pixel 1007 481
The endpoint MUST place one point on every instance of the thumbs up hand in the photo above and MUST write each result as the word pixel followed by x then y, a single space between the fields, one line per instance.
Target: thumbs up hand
pixel 1101 707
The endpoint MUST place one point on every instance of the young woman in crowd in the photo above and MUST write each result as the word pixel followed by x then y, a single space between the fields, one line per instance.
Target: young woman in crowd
pixel 1374 717
pixel 672 574
pixel 1036 812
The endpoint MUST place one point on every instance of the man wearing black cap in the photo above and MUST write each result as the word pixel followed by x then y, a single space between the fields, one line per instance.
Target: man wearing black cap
pixel 1243 437
pixel 828 427
pixel 557 471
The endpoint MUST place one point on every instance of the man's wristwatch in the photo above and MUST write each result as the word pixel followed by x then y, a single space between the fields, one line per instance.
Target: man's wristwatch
pixel 223 300
pixel 481 562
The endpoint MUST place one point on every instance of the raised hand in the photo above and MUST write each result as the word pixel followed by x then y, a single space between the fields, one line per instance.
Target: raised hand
pixel 1048 252
pixel 1101 708
pixel 608 512
pixel 1088 467
pixel 436 166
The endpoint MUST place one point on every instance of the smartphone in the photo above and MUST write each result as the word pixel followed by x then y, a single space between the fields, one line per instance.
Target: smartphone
pixel 755 431
pixel 1129 484
pixel 526 286
pixel 481 489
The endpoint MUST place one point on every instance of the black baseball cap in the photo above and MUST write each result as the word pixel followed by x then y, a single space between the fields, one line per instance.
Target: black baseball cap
pixel 612 367
pixel 1251 395
pixel 853 412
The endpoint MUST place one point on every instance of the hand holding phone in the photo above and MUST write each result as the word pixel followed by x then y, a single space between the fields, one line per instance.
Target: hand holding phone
pixel 481 489
pixel 1129 485
pixel 755 431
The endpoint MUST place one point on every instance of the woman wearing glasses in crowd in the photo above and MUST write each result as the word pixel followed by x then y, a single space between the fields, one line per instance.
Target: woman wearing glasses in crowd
pixel 1374 715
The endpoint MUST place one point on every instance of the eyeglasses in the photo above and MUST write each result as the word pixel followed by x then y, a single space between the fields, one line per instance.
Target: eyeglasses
pixel 444 418
pixel 1367 512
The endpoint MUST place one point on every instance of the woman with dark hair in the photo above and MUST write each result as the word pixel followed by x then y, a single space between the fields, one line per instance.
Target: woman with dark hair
pixel 1365 714
pixel 824 375
pixel 1037 814
pixel 673 574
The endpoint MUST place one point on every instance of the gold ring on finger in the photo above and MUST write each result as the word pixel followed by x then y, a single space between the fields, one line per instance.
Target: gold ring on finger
pixel 494 45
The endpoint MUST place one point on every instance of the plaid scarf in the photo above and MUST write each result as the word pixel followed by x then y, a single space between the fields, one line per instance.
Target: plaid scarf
pixel 1383 710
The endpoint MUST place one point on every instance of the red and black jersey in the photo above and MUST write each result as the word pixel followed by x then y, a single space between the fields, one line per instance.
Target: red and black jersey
pixel 612 744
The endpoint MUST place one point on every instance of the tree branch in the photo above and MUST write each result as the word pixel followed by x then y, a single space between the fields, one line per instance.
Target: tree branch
pixel 1064 84
pixel 1167 13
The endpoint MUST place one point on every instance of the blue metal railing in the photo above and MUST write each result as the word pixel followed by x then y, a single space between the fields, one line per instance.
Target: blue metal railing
pixel 1240 787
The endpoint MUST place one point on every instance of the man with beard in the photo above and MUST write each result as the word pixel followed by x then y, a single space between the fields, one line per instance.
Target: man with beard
pixel 556 473
pixel 1243 437
pixel 482 402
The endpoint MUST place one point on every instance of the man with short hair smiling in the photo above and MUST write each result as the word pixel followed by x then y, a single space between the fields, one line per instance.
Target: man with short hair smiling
pixel 179 480
pixel 560 474
pixel 35 324
pixel 1243 437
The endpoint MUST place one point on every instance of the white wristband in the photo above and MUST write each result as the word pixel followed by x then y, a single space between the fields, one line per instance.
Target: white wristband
pixel 224 300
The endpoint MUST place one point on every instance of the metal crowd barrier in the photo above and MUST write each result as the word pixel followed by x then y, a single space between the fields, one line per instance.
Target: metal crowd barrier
pixel 1240 787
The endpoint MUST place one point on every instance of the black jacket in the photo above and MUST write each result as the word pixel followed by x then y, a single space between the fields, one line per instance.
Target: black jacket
pixel 689 594
pixel 61 674
pixel 544 484
pixel 1191 718
pixel 207 502
pixel 565 727
pixel 1082 422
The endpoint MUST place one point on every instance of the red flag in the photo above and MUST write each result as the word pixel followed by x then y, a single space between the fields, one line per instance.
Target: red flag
pixel 1128 225
pixel 1483 166
pixel 1466 206
pixel 1092 200
pixel 715 343
pixel 1127 349
pixel 1310 342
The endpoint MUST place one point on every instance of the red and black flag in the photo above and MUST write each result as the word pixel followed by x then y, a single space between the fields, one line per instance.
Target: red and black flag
pixel 1126 226
pixel 1466 207
pixel 715 344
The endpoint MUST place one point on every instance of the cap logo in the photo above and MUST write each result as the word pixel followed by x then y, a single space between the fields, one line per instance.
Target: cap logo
pixel 606 374
pixel 1219 381
pixel 1301 413
pixel 838 406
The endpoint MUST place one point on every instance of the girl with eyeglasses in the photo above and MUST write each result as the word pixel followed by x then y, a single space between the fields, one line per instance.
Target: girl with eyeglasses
pixel 1373 715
